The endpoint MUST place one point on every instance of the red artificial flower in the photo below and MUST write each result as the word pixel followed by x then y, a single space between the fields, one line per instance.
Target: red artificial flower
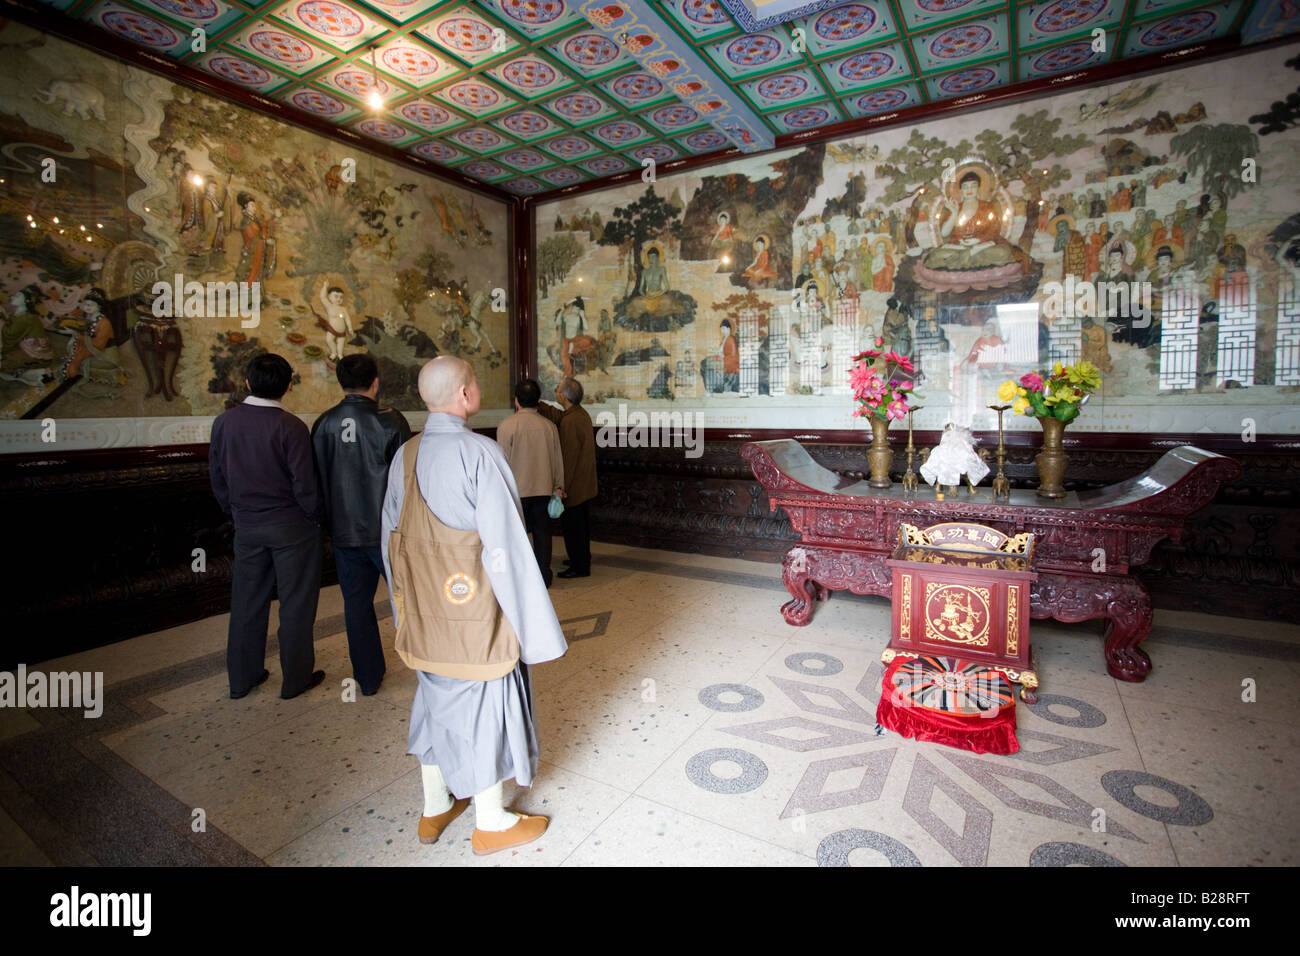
pixel 1032 381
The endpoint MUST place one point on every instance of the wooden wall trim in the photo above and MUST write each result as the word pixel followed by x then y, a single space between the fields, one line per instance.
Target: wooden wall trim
pixel 14 466
pixel 525 326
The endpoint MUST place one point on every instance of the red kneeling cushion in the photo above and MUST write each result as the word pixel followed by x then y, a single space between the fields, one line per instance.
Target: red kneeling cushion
pixel 949 701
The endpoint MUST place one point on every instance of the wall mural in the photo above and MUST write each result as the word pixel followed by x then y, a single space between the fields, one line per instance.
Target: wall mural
pixel 1151 227
pixel 151 180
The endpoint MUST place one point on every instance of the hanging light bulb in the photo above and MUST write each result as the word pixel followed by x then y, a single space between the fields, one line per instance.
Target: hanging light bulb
pixel 376 98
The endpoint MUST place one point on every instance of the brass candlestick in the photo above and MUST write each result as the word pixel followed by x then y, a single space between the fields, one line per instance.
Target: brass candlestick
pixel 1001 484
pixel 910 482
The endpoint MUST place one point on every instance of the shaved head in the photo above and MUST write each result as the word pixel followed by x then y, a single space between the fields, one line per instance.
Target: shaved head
pixel 441 379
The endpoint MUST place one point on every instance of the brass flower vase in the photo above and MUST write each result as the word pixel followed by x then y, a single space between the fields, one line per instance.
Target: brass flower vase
pixel 880 456
pixel 1051 461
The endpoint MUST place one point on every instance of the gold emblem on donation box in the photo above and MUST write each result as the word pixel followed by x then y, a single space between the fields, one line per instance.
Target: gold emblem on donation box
pixel 957 614
pixel 459 588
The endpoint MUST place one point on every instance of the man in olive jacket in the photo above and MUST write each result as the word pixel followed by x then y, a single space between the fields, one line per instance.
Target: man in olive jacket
pixel 354 442
pixel 578 446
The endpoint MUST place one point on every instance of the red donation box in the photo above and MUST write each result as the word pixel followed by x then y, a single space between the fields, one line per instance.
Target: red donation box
pixel 962 590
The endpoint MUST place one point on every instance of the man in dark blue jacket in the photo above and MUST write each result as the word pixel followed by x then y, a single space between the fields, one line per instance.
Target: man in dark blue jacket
pixel 262 475
pixel 354 442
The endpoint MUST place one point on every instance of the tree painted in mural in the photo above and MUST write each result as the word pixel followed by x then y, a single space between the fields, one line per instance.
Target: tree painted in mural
pixel 642 230
pixel 648 218
pixel 1282 114
pixel 1217 152
pixel 556 255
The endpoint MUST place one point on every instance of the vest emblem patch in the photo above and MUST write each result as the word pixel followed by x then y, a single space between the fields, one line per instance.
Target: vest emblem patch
pixel 459 588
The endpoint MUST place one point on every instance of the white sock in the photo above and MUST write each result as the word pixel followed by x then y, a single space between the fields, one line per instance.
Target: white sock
pixel 437 799
pixel 489 814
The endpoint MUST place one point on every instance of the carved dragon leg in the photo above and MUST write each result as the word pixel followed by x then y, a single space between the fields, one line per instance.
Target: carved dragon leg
pixel 1122 600
pixel 795 572
pixel 1128 623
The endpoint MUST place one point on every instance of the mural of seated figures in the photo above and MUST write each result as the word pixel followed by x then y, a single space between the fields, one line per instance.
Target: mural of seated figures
pixel 1111 225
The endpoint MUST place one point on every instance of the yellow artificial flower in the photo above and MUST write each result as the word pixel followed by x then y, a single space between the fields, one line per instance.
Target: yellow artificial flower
pixel 1024 392
pixel 1065 393
pixel 1086 375
pixel 1006 391
pixel 1056 369
pixel 1020 405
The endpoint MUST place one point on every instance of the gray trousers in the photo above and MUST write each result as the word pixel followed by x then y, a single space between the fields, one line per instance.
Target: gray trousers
pixel 288 558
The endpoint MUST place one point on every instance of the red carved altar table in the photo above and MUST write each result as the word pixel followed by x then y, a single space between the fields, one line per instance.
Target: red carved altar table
pixel 1085 543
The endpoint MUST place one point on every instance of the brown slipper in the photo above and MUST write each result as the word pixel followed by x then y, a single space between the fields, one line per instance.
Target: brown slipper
pixel 526 830
pixel 431 827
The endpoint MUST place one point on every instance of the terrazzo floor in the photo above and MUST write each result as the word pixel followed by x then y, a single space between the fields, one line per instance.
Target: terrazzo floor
pixel 687 725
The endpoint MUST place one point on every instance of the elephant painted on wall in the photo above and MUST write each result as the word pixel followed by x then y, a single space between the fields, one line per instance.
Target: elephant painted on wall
pixel 80 98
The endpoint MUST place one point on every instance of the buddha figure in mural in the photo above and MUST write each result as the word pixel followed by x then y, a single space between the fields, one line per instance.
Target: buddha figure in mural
pixel 723 244
pixel 760 271
pixel 654 305
pixel 973 252
pixel 654 277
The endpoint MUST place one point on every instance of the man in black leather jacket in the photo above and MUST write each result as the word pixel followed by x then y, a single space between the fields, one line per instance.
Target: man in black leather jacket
pixel 354 442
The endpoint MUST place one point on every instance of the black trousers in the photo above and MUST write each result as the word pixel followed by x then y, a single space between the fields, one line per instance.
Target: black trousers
pixel 359 572
pixel 288 558
pixel 537 522
pixel 577 536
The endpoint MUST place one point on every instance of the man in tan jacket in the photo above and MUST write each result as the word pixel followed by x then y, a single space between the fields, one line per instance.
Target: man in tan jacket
pixel 532 446
pixel 578 444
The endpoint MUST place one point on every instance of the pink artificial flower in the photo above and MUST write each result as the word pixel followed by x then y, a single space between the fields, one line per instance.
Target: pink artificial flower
pixel 859 375
pixel 1032 381
pixel 872 390
pixel 897 409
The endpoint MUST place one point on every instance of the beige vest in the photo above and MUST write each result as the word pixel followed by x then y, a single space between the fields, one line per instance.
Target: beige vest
pixel 448 619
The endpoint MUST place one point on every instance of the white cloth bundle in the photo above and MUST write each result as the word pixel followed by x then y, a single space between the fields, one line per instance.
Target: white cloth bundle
pixel 955 456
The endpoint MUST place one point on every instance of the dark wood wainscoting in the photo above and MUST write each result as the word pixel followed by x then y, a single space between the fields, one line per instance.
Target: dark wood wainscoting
pixel 1239 556
pixel 99 546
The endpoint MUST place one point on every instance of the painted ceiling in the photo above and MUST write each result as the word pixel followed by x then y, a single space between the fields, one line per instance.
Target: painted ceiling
pixel 534 95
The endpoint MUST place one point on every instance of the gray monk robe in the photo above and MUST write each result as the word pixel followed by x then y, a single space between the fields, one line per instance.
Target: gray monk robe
pixel 478 732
